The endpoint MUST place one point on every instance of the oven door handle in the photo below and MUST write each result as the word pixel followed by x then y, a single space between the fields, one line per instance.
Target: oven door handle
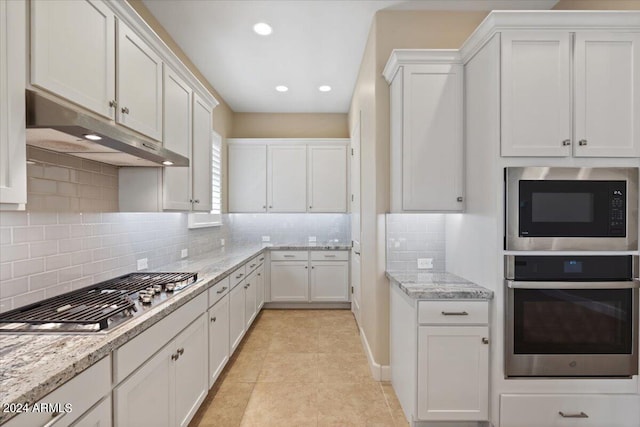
pixel 631 284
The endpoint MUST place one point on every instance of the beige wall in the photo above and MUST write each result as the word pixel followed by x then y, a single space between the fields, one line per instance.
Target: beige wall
pixel 598 5
pixel 287 125
pixel 390 30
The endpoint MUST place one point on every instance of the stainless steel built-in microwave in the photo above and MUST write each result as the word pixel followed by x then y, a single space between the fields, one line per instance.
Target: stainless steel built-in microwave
pixel 550 208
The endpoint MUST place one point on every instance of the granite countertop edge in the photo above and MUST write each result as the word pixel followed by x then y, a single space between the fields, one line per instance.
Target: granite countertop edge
pixel 211 267
pixel 437 286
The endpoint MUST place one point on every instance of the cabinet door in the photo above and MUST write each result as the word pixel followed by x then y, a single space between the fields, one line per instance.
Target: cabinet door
pixel 100 416
pixel 218 338
pixel 607 94
pixel 150 387
pixel 191 370
pixel 73 52
pixel 327 178
pixel 176 137
pixel 355 284
pixel 236 317
pixel 259 288
pixel 453 373
pixel 250 300
pixel 201 158
pixel 536 94
pixel 13 176
pixel 287 178
pixel 330 281
pixel 432 138
pixel 247 178
pixel 289 281
pixel 139 84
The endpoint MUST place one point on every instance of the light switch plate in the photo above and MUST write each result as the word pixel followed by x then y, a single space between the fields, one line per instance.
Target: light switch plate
pixel 425 263
pixel 312 239
pixel 266 238
pixel 184 253
pixel 143 264
pixel 221 242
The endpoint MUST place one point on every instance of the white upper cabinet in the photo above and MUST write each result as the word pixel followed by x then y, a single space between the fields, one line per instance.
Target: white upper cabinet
pixel 247 178
pixel 287 178
pixel 201 158
pixel 567 94
pixel 536 94
pixel 177 137
pixel 426 131
pixel 13 174
pixel 139 73
pixel 607 94
pixel 327 178
pixel 73 52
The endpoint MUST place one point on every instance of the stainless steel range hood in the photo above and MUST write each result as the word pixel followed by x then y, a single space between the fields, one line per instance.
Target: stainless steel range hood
pixel 62 128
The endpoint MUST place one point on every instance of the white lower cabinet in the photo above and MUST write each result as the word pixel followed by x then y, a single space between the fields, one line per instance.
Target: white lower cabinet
pixel 289 281
pixel 236 317
pixel 218 338
pixel 330 281
pixel 453 373
pixel 568 410
pixel 260 286
pixel 250 300
pixel 171 385
pixel 99 416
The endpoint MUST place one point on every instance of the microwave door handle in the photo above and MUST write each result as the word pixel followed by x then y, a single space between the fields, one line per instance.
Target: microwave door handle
pixel 513 284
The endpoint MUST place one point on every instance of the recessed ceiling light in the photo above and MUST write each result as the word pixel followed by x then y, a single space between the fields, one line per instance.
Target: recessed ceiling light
pixel 92 137
pixel 167 163
pixel 324 88
pixel 263 29
pixel 282 88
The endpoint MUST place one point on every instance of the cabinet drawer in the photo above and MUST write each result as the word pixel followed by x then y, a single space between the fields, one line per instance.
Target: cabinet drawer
pixel 254 262
pixel 526 410
pixel 237 276
pixel 289 256
pixel 82 392
pixel 219 290
pixel 133 354
pixel 329 255
pixel 453 312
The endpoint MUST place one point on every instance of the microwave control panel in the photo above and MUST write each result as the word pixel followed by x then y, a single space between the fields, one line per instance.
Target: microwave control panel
pixel 617 209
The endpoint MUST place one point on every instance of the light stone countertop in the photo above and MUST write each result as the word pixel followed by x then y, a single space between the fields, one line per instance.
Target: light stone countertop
pixel 432 286
pixel 33 365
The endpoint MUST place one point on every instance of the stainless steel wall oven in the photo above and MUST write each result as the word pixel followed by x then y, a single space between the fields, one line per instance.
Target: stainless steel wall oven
pixel 571 316
pixel 549 208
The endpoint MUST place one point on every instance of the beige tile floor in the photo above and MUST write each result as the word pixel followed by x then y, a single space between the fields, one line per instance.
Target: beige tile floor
pixel 300 368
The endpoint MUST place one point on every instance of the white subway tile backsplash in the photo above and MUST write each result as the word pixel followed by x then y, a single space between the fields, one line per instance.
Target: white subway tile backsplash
pixel 69 274
pixel 57 261
pixel 28 298
pixel 11 288
pixel 14 252
pixel 56 232
pixel 10 219
pixel 413 236
pixel 58 290
pixel 6 271
pixel 5 236
pixel 69 245
pixel 43 280
pixel 28 234
pixel 28 267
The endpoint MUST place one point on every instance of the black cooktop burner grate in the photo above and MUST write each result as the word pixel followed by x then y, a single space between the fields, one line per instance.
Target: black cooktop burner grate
pixel 93 304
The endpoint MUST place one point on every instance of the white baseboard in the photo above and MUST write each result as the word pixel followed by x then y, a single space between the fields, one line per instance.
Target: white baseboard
pixel 379 372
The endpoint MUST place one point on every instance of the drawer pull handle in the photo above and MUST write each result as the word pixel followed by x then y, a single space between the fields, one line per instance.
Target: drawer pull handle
pixel 239 276
pixel 289 256
pixel 181 351
pixel 213 319
pixel 580 415
pixel 55 417
pixel 221 290
pixel 261 259
pixel 329 256
pixel 455 313
pixel 485 340
pixel 175 356
pixel 252 265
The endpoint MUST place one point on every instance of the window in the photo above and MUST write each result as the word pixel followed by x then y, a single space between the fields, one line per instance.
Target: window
pixel 214 218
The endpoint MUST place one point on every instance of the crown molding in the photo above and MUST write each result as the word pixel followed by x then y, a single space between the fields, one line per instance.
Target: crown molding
pixel 125 12
pixel 400 57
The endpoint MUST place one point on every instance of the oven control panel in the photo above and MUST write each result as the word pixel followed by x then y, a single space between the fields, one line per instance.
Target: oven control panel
pixel 617 209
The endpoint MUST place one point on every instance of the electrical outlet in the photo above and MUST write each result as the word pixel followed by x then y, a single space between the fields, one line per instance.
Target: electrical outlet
pixel 143 264
pixel 221 242
pixel 312 239
pixel 425 263
pixel 184 253
pixel 266 238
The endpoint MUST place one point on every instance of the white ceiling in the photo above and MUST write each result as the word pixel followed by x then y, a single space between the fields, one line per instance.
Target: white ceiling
pixel 314 42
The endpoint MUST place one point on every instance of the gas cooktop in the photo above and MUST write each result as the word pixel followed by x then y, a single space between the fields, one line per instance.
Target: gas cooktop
pixel 97 308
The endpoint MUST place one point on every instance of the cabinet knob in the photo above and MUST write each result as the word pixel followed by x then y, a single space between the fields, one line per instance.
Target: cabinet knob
pixel 264 206
pixel 582 142
pixel 310 207
pixel 125 110
pixel 270 206
pixel 180 351
pixel 306 267
pixel 213 319
pixel 566 142
pixel 175 357
pixel 459 199
pixel 312 267
pixel 485 340
pixel 196 201
pixel 113 104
